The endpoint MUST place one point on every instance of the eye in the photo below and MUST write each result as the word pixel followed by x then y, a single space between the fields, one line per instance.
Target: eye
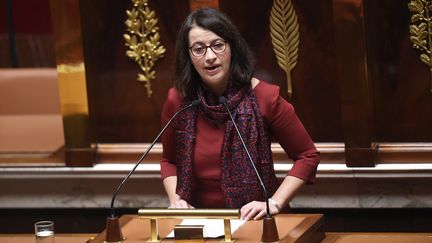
pixel 218 45
pixel 198 49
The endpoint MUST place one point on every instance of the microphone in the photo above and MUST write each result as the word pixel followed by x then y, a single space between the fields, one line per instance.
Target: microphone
pixel 113 232
pixel 270 233
pixel 222 100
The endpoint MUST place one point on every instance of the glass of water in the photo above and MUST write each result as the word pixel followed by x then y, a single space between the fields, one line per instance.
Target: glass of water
pixel 44 231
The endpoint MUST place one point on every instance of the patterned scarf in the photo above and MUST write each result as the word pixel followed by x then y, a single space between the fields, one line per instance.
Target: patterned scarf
pixel 240 184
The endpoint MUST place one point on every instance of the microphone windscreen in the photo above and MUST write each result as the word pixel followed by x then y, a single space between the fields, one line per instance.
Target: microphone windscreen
pixel 222 100
pixel 196 102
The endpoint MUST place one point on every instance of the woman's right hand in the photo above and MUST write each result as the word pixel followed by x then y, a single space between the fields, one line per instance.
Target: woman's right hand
pixel 180 204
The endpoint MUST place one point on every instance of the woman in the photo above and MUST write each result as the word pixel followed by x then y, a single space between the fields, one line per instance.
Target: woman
pixel 204 163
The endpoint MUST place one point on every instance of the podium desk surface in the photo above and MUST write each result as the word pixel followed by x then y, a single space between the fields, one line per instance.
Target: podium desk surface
pixel 332 237
pixel 291 228
pixel 59 238
pixel 382 237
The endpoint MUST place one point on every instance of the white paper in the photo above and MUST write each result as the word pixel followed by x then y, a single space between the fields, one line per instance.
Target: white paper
pixel 213 228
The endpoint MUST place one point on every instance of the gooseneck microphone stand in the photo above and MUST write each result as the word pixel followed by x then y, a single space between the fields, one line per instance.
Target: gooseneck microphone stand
pixel 113 230
pixel 270 233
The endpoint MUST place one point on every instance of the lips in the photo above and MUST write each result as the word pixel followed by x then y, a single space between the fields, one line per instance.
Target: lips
pixel 212 67
pixel 212 70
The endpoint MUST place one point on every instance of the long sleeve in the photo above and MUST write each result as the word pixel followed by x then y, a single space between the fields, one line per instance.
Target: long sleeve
pixel 168 163
pixel 289 132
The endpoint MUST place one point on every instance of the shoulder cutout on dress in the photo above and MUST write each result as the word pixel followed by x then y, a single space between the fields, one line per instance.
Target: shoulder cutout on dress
pixel 254 82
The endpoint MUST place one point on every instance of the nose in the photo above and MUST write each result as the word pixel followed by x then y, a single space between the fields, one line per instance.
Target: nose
pixel 210 55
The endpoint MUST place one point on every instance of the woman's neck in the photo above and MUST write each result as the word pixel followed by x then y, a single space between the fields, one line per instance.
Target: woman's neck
pixel 217 90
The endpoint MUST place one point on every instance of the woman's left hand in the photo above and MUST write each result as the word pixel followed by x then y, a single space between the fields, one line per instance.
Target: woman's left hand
pixel 256 210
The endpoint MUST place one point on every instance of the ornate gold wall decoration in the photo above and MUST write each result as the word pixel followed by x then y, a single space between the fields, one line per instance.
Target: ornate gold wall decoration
pixel 142 39
pixel 421 30
pixel 284 35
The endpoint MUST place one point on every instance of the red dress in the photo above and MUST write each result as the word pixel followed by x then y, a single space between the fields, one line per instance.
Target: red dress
pixel 277 113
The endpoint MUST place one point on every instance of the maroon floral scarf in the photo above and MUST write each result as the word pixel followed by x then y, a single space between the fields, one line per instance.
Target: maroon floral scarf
pixel 240 184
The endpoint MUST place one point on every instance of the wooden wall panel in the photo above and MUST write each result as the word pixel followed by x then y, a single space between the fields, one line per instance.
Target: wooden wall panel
pixel 315 83
pixel 72 82
pixel 317 95
pixel 354 86
pixel 401 82
pixel 120 109
pixel 26 34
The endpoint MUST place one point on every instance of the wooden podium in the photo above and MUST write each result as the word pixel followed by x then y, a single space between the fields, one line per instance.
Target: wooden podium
pixel 291 228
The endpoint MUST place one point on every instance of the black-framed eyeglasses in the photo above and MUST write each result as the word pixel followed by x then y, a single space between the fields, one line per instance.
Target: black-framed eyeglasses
pixel 217 46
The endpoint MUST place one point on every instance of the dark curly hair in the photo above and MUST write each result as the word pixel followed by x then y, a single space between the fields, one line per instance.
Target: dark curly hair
pixel 186 78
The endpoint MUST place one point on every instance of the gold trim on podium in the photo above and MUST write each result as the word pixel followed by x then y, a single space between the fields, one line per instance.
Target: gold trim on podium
pixel 155 214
